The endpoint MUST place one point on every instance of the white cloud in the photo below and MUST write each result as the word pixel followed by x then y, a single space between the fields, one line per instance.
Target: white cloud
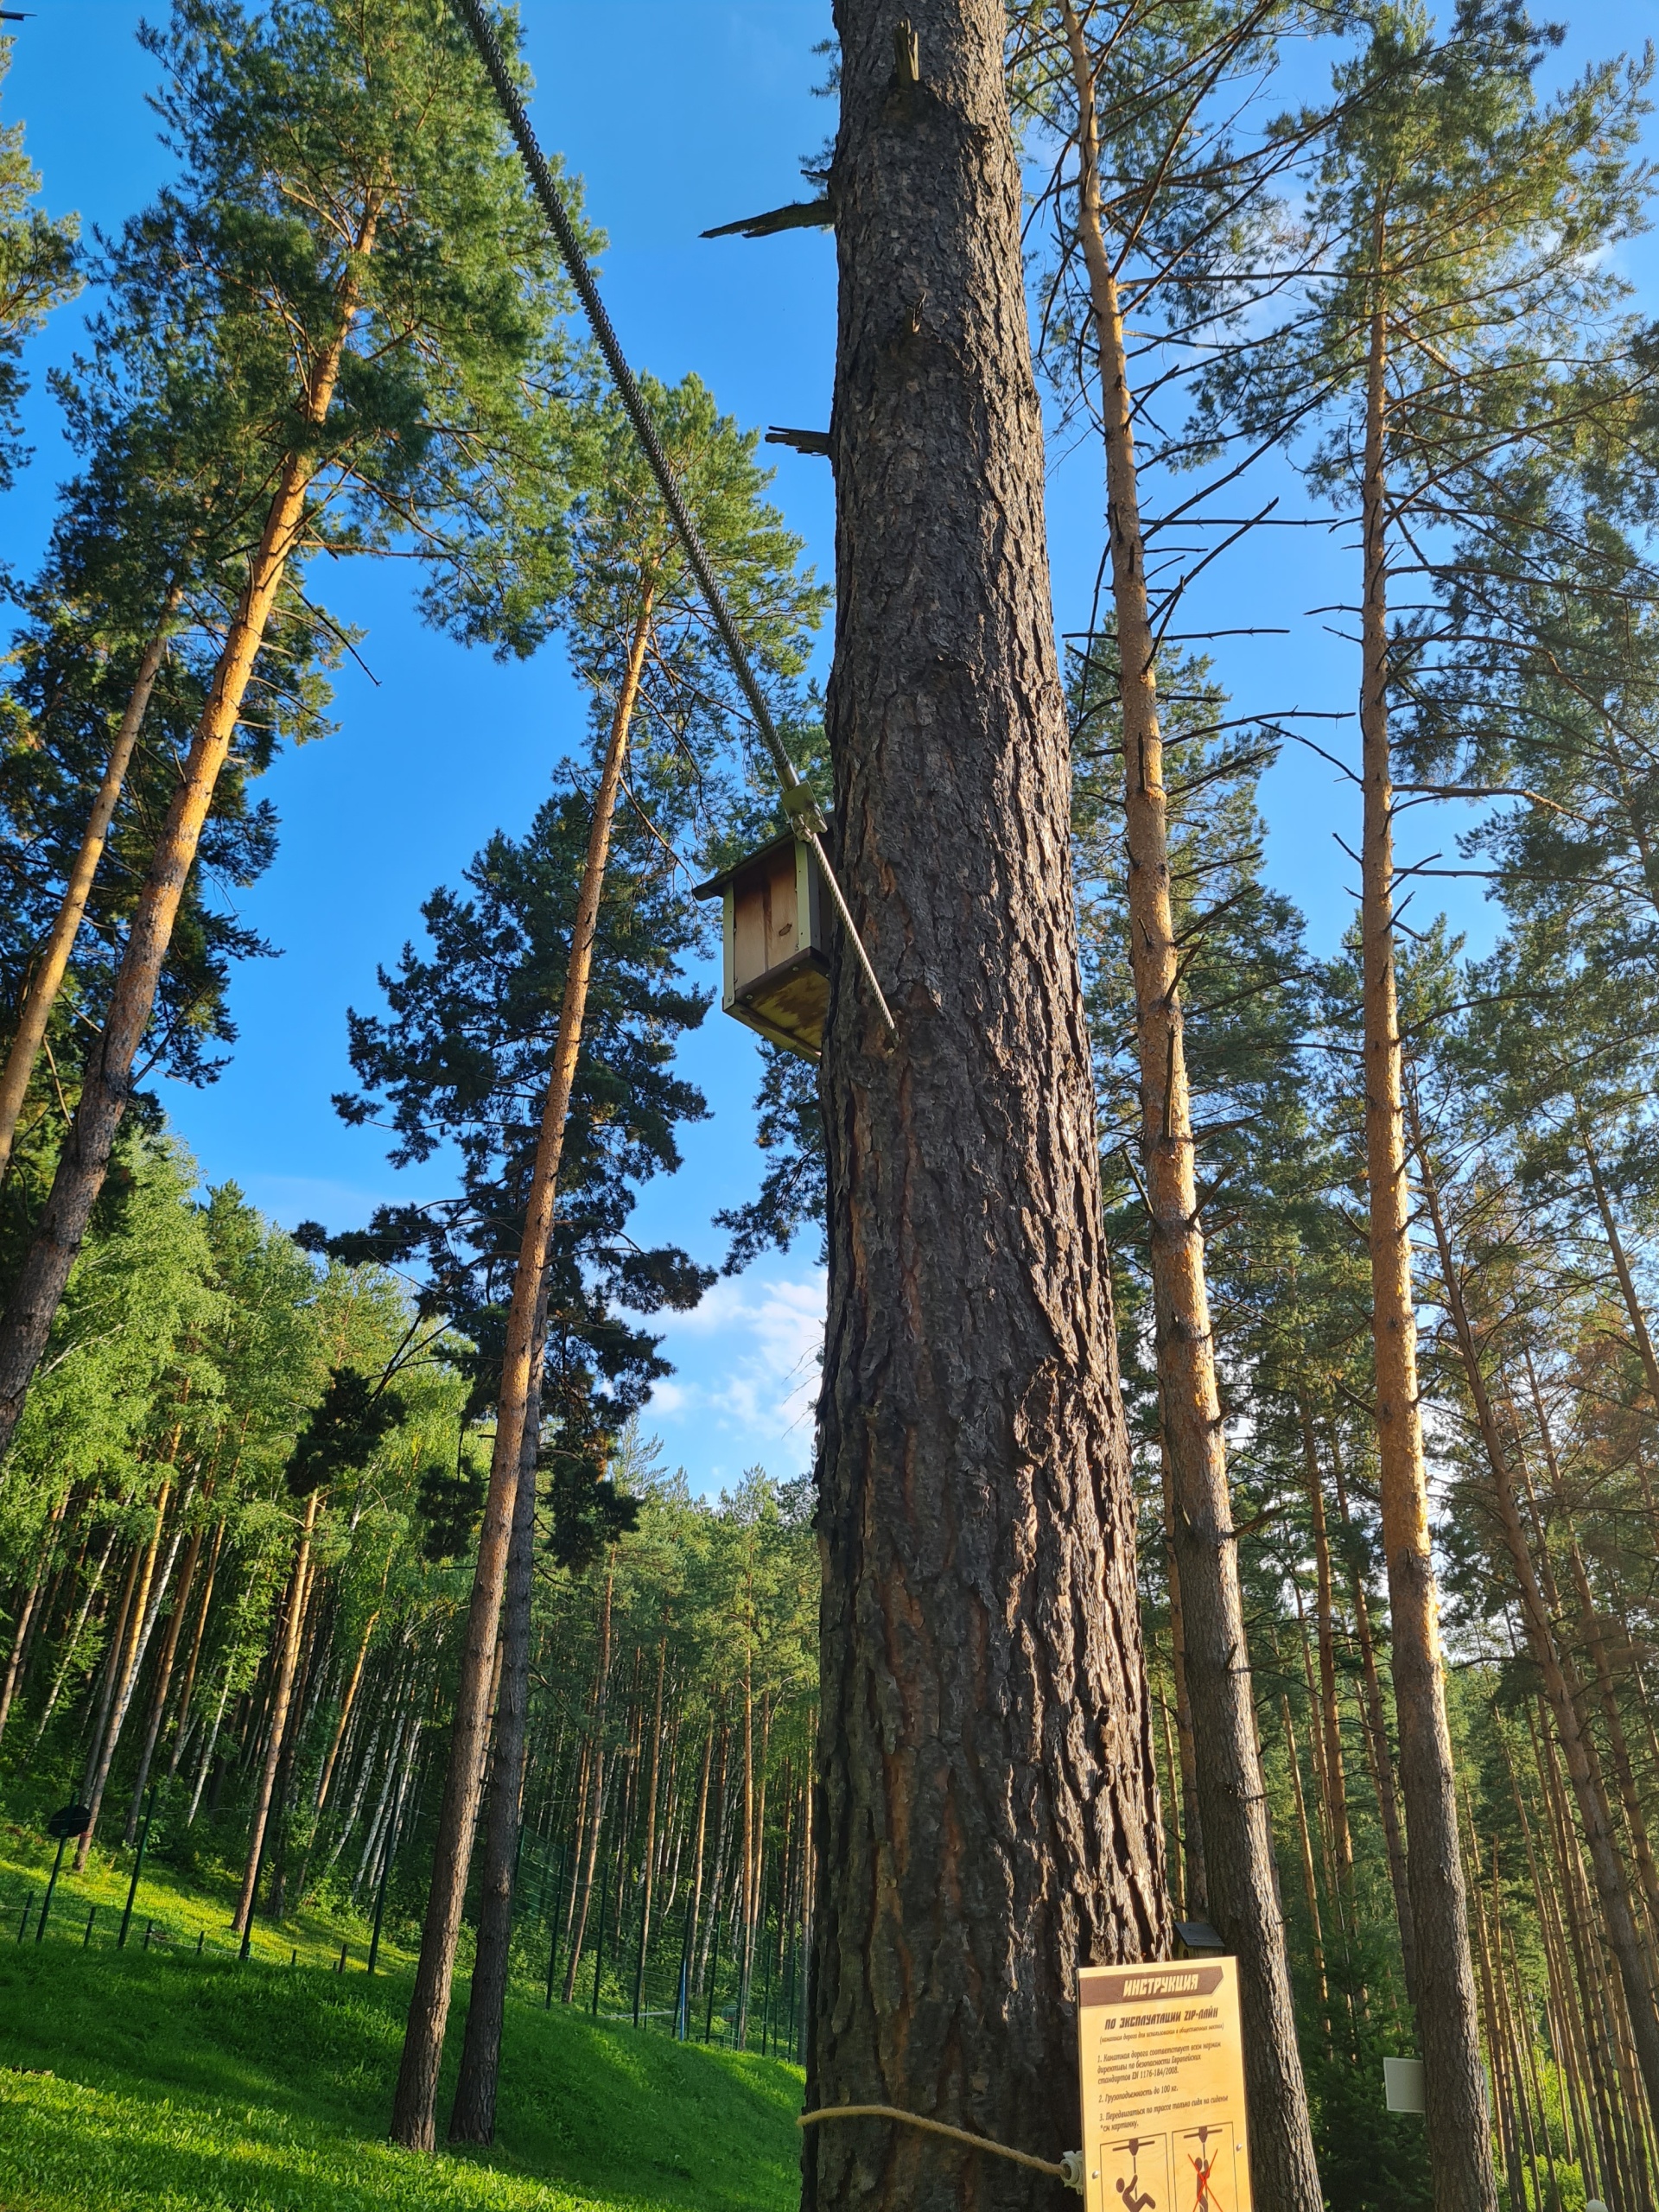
pixel 745 1379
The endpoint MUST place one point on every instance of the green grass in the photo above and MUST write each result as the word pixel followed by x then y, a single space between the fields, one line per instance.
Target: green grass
pixel 138 2082
pixel 181 1909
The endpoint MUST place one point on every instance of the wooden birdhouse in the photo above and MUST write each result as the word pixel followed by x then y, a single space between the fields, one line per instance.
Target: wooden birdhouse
pixel 776 958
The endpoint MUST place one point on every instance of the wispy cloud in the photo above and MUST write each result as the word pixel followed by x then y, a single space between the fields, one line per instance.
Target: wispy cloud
pixel 745 1379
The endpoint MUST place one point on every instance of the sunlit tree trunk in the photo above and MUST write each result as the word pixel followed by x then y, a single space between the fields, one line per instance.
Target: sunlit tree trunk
pixel 1459 2130
pixel 414 2102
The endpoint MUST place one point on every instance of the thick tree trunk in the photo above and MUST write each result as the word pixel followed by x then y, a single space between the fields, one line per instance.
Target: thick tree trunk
pixel 286 1665
pixel 415 2103
pixel 1612 1887
pixel 987 1800
pixel 1242 1899
pixel 471 2117
pixel 108 1077
pixel 1460 2128
pixel 46 974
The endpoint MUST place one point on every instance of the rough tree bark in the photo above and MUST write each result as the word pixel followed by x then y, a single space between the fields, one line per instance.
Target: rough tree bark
pixel 414 2104
pixel 1459 2128
pixel 987 1808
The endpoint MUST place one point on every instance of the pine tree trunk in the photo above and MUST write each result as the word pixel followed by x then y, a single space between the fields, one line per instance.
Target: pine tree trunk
pixel 1310 1880
pixel 20 1641
pixel 1242 1899
pixel 987 1812
pixel 596 1817
pixel 650 1861
pixel 471 2117
pixel 107 1080
pixel 1611 1886
pixel 1459 2129
pixel 162 1684
pixel 348 1704
pixel 188 1689
pixel 146 1600
pixel 46 974
pixel 415 2103
pixel 1194 1888
pixel 1381 1761
pixel 286 1665
pixel 1342 1840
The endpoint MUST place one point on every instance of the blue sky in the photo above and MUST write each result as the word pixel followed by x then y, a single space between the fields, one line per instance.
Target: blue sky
pixel 678 114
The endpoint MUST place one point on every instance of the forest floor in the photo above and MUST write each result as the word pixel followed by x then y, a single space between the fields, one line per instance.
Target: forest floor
pixel 162 2081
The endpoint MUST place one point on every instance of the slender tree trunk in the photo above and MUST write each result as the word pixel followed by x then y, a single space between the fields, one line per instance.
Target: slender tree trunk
pixel 146 1599
pixel 348 1704
pixel 1626 1281
pixel 702 1831
pixel 1459 2129
pixel 1611 1886
pixel 187 1690
pixel 414 2105
pixel 162 1684
pixel 1242 1899
pixel 1193 1887
pixel 46 974
pixel 282 1690
pixel 1341 1839
pixel 471 2117
pixel 987 1801
pixel 1381 1761
pixel 107 1081
pixel 596 1818
pixel 26 1614
pixel 650 1828
pixel 1310 1879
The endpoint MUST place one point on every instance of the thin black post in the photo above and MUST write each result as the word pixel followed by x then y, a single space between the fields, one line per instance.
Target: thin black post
pixel 202 1938
pixel 91 1915
pixel 22 1925
pixel 137 1867
pixel 714 1981
pixel 253 1896
pixel 149 1924
pixel 682 1995
pixel 340 1968
pixel 599 1948
pixel 51 1884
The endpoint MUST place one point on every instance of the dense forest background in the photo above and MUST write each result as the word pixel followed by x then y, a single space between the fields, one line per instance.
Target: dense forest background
pixel 240 1509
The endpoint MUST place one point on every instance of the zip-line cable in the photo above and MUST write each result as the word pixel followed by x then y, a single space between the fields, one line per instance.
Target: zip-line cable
pixel 799 805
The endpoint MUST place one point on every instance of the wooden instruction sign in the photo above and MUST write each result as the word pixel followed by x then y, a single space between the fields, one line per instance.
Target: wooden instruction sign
pixel 1163 2088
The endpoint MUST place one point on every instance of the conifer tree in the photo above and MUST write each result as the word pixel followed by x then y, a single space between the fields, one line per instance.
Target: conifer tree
pixel 349 234
pixel 38 271
pixel 631 612
pixel 985 1810
pixel 1465 222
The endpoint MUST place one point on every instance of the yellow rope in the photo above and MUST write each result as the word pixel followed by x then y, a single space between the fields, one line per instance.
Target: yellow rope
pixel 935 2128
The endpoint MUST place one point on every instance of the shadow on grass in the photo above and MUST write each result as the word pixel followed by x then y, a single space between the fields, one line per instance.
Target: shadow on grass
pixel 142 2083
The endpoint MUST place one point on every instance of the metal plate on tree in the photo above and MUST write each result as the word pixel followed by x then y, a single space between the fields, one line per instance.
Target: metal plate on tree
pixel 69 1819
pixel 1163 2088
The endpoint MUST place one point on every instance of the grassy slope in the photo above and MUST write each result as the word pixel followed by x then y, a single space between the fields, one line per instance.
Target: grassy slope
pixel 143 2082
